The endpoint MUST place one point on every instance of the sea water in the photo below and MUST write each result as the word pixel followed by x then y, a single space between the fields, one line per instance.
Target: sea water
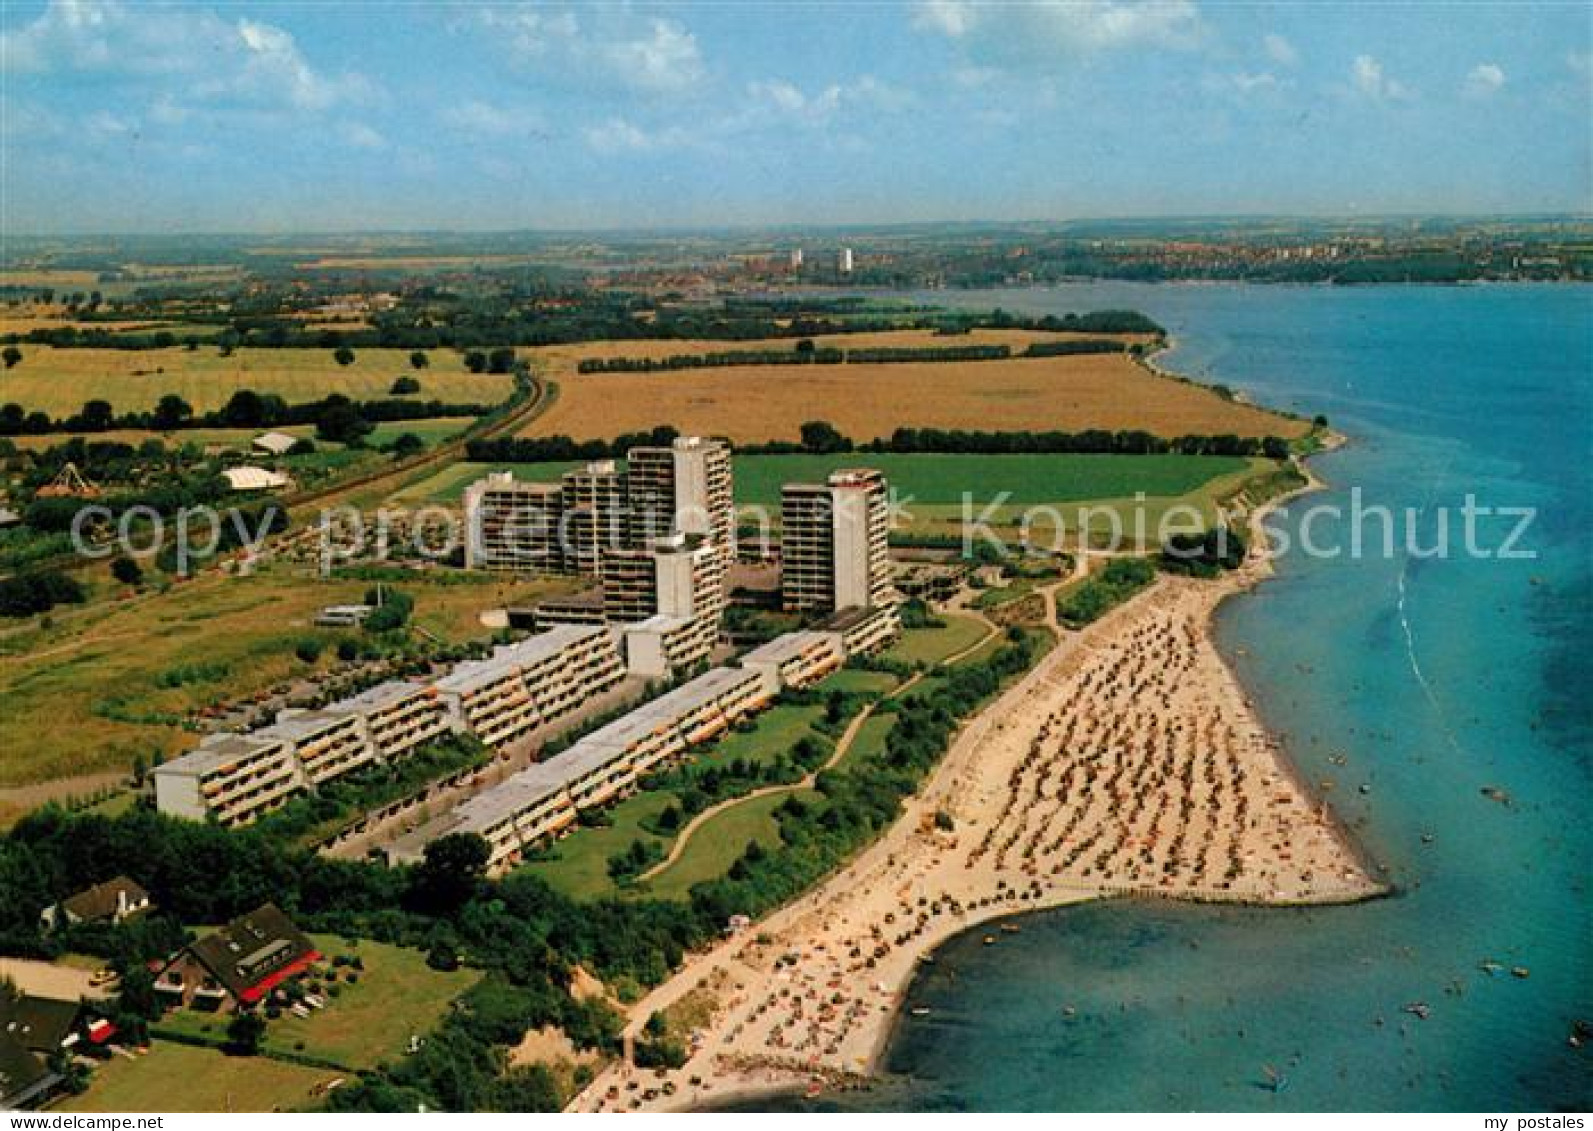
pixel 1406 687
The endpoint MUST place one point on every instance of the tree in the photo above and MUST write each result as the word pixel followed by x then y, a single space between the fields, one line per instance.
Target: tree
pixel 340 421
pixel 500 360
pixel 450 873
pixel 11 355
pixel 171 411
pixel 308 650
pixel 245 1034
pixel 402 385
pixel 343 355
pixel 419 360
pixel 475 361
pixel 97 416
pixel 820 437
pixel 127 571
pixel 408 444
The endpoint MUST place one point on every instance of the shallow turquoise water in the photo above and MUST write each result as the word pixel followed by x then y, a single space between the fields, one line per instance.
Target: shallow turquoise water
pixel 1436 678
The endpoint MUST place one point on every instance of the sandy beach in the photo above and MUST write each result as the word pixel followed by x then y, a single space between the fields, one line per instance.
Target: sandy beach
pixel 1128 762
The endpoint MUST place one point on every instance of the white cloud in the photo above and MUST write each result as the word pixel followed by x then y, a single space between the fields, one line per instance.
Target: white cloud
pixel 1244 84
pixel 949 17
pixel 784 98
pixel 190 49
pixel 362 136
pixel 656 55
pixel 1484 79
pixel 1043 28
pixel 1368 79
pixel 1279 50
pixel 619 135
pixel 486 120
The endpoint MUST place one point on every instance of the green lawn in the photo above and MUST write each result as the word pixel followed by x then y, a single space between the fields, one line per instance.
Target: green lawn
pixel 718 842
pixel 1030 478
pixel 858 680
pixel 933 645
pixel 370 1020
pixel 870 739
pixel 577 866
pixel 933 481
pixel 175 1077
pixel 774 733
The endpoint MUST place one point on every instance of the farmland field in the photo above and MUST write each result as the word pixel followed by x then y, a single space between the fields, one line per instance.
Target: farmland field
pixel 929 487
pixel 751 404
pixel 59 381
pixel 933 480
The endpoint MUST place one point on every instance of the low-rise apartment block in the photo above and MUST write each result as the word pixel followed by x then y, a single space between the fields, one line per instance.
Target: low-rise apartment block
pixel 662 646
pixel 232 777
pixel 796 659
pixel 532 683
pixel 544 799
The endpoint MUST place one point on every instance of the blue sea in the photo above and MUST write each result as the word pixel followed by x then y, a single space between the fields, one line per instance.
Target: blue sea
pixel 1435 678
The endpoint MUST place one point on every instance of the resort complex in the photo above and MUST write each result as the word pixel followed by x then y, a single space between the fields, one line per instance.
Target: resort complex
pixel 660 537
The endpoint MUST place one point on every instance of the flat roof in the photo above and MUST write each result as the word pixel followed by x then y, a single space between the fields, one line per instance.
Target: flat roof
pixel 788 646
pixel 508 658
pixel 303 724
pixel 384 694
pixel 217 750
pixel 660 623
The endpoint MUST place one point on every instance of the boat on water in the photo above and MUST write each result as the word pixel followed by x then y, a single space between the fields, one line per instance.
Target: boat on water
pixel 920 1011
pixel 1276 1081
pixel 1418 1009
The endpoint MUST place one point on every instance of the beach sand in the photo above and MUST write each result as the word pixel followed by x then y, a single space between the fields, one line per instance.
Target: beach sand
pixel 1128 762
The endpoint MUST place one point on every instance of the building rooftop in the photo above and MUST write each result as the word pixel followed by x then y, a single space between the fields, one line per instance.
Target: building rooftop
pixel 295 726
pixel 509 658
pixel 217 750
pixel 254 952
pixel 787 646
pixel 104 900
pixel 384 694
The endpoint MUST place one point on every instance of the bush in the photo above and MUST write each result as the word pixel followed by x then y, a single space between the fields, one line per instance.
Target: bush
pixel 308 649
pixel 403 385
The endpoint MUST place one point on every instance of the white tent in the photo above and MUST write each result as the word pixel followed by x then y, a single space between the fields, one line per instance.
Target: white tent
pixel 254 479
pixel 277 443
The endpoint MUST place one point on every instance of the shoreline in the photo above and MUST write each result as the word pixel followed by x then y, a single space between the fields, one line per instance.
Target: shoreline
pixel 809 1010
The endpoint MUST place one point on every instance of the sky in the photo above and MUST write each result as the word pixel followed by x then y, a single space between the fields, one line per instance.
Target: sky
pixel 253 115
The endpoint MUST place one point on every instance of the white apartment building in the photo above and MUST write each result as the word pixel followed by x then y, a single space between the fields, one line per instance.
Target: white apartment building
pixel 233 777
pixel 513 525
pixel 834 542
pixel 531 683
pixel 796 659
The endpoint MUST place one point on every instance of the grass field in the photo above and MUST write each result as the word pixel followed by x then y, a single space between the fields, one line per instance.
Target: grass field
pixel 934 645
pixel 100 666
pixel 717 843
pixel 773 733
pixel 929 488
pixel 760 403
pixel 395 996
pixel 175 1077
pixel 578 864
pixel 855 679
pixel 59 381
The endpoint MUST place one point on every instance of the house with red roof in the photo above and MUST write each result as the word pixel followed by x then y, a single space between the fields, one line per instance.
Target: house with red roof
pixel 239 965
